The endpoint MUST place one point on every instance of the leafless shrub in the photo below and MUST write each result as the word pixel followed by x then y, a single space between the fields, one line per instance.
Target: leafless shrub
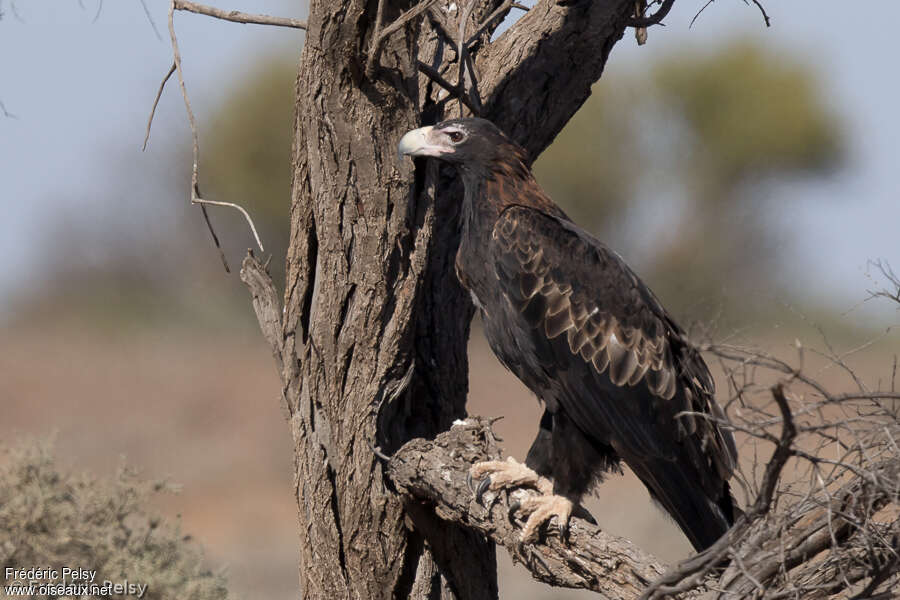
pixel 821 517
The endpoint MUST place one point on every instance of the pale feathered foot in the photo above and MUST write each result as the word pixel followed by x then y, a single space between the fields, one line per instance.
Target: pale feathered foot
pixel 539 510
pixel 499 474
pixel 495 475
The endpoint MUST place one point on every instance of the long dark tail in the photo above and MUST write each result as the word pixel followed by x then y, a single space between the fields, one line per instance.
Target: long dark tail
pixel 704 516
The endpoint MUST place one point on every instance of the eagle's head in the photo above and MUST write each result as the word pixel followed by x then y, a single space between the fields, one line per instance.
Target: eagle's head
pixel 470 144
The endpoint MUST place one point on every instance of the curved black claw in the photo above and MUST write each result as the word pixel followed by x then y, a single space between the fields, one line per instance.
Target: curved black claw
pixel 582 513
pixel 483 486
pixel 514 506
pixel 564 531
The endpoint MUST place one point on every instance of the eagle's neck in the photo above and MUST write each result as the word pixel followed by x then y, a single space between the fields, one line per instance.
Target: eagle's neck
pixel 489 189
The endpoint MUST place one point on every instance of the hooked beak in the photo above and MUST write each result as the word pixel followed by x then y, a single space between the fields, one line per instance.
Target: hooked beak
pixel 418 143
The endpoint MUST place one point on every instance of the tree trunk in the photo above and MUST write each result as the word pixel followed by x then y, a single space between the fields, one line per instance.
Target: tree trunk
pixel 372 345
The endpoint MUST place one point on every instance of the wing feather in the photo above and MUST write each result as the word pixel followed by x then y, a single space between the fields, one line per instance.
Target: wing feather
pixel 562 281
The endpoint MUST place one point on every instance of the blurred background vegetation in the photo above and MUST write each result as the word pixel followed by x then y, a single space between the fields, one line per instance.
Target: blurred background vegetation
pixel 53 519
pixel 673 166
pixel 131 330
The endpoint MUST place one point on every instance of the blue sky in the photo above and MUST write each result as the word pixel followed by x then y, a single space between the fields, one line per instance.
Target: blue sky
pixel 81 92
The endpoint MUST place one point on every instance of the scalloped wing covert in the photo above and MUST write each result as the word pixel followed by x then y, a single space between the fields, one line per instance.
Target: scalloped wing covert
pixel 568 286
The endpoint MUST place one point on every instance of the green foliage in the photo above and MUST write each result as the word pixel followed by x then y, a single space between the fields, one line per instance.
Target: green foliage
pixel 672 166
pixel 53 519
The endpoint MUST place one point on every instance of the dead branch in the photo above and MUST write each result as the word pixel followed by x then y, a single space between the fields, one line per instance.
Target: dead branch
pixel 236 16
pixel 196 197
pixel 6 113
pixel 892 291
pixel 780 456
pixel 381 34
pixel 758 4
pixel 654 19
pixel 455 91
pixel 434 473
pixel 159 92
pixel 828 537
pixel 266 303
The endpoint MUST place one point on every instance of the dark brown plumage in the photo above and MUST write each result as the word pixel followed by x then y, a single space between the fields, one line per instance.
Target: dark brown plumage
pixel 580 329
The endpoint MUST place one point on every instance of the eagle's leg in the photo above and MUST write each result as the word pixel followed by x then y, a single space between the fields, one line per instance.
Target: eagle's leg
pixel 571 477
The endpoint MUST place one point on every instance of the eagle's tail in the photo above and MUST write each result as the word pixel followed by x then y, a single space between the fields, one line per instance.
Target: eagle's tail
pixel 703 516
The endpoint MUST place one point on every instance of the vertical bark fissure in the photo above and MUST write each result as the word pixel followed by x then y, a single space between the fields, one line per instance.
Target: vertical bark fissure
pixel 312 259
pixel 336 511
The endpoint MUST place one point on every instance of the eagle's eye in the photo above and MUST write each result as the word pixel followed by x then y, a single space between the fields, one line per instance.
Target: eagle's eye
pixel 455 136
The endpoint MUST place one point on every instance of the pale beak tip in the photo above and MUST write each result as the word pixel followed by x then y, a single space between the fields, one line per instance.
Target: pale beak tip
pixel 412 142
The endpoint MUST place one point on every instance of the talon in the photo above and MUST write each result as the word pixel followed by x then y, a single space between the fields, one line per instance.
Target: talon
pixel 563 530
pixel 483 486
pixel 514 507
pixel 469 482
pixel 582 513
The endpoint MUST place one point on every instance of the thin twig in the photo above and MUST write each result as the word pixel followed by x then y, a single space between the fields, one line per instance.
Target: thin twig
pixel 150 18
pixel 236 16
pixel 759 5
pixel 403 19
pixel 503 8
pixel 215 237
pixel 379 35
pixel 462 49
pixel 655 18
pixel 452 89
pixel 702 8
pixel 195 178
pixel 159 92
pixel 376 40
pixel 763 11
pixel 99 8
pixel 5 112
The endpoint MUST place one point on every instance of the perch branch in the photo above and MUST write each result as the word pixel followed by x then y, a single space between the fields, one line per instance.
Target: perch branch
pixel 433 473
